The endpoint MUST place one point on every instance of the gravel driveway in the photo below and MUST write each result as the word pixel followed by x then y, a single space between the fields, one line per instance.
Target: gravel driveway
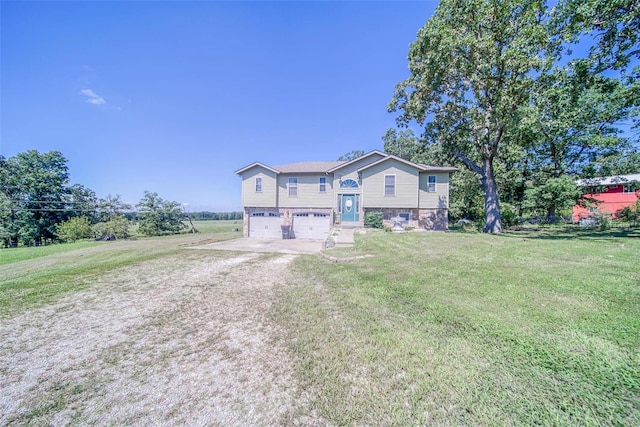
pixel 179 340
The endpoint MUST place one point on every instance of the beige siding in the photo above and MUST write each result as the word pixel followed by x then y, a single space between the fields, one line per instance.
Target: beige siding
pixel 439 199
pixel 266 198
pixel 309 195
pixel 406 186
pixel 351 172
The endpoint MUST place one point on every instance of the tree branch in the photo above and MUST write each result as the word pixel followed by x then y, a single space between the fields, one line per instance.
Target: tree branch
pixel 468 163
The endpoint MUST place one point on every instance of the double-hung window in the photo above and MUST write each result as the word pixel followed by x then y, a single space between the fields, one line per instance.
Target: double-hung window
pixel 431 184
pixel 389 185
pixel 293 186
pixel 322 184
pixel 258 185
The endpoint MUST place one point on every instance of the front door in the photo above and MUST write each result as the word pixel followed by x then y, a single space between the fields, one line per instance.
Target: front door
pixel 349 207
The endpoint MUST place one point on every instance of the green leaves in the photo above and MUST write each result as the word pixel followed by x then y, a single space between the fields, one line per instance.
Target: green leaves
pixel 159 216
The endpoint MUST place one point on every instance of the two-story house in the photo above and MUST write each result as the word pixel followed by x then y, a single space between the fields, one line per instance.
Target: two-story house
pixel 311 197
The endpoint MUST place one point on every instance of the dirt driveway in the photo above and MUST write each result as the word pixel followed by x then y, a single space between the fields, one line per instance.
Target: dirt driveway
pixel 179 340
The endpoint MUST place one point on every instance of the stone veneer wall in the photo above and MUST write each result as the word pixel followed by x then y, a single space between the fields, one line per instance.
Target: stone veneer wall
pixel 428 219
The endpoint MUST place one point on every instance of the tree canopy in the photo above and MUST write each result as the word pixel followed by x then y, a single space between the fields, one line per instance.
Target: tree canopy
pixel 496 90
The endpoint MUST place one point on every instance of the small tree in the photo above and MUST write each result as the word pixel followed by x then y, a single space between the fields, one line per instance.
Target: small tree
pixel 159 216
pixel 354 154
pixel 552 196
pixel 115 228
pixel 74 229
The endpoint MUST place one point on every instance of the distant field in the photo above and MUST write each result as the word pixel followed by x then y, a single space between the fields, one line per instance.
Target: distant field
pixel 470 329
pixel 217 226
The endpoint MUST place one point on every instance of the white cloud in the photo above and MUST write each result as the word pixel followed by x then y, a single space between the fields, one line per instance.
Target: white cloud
pixel 93 98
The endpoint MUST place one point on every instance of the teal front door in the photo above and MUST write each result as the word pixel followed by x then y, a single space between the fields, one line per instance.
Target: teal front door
pixel 349 208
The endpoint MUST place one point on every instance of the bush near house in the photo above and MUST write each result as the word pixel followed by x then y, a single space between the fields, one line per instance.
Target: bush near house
pixel 373 219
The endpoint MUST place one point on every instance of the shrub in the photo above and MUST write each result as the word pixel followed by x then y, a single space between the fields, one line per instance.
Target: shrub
pixel 116 228
pixel 509 214
pixel 373 220
pixel 74 229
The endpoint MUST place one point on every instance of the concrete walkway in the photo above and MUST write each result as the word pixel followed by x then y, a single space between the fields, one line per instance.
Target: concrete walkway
pixel 344 237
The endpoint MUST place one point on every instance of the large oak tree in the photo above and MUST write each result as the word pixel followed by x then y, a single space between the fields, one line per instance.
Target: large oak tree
pixel 472 68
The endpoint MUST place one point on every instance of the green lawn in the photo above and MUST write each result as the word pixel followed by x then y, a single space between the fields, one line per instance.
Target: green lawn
pixel 34 276
pixel 10 255
pixel 471 329
pixel 434 329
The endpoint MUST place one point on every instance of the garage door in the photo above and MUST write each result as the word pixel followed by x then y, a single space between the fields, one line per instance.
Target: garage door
pixel 265 225
pixel 311 225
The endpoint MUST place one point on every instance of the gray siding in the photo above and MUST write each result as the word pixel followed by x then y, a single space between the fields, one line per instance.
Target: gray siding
pixel 439 199
pixel 266 198
pixel 309 195
pixel 406 186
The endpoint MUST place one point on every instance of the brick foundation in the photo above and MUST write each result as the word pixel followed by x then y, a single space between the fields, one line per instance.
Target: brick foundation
pixel 427 219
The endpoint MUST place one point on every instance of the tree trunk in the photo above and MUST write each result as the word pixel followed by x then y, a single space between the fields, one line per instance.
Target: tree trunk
pixel 492 218
pixel 551 214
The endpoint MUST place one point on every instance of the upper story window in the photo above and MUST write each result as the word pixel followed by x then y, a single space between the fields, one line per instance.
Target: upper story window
pixel 629 188
pixel 258 185
pixel 293 186
pixel 389 185
pixel 349 183
pixel 322 184
pixel 431 184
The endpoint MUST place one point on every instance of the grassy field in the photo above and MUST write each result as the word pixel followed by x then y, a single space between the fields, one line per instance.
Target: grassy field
pixel 434 329
pixel 22 253
pixel 470 329
pixel 25 284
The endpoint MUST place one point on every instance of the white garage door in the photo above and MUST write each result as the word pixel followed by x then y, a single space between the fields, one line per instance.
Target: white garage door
pixel 311 225
pixel 265 225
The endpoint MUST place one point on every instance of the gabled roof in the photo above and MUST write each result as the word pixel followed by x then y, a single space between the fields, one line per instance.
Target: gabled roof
pixel 254 164
pixel 392 157
pixel 420 166
pixel 608 180
pixel 364 156
pixel 330 167
pixel 308 167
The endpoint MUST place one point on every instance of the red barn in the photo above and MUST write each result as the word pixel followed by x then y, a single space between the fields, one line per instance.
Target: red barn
pixel 609 195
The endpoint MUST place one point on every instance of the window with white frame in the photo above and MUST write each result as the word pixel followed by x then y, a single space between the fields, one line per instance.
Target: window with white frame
pixel 258 185
pixel 389 185
pixel 322 184
pixel 629 188
pixel 293 186
pixel 431 184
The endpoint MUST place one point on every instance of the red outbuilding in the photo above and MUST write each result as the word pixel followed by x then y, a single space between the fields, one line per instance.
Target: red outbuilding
pixel 607 195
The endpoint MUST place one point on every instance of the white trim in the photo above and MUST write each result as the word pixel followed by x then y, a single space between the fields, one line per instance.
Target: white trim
pixel 384 187
pixel 320 184
pixel 435 183
pixel 289 187
pixel 258 179
pixel 254 164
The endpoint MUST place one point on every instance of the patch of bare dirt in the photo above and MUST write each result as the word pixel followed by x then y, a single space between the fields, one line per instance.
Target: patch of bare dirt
pixel 180 340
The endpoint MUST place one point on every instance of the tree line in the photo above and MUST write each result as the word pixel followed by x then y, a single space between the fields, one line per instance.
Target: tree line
pixel 500 89
pixel 38 205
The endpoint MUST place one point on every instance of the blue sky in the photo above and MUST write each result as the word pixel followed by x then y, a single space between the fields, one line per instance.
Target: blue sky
pixel 173 97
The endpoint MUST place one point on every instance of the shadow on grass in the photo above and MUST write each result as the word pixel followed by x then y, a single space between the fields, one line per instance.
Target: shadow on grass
pixel 573 232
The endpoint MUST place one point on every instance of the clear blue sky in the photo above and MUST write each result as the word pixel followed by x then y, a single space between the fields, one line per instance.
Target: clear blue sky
pixel 172 97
